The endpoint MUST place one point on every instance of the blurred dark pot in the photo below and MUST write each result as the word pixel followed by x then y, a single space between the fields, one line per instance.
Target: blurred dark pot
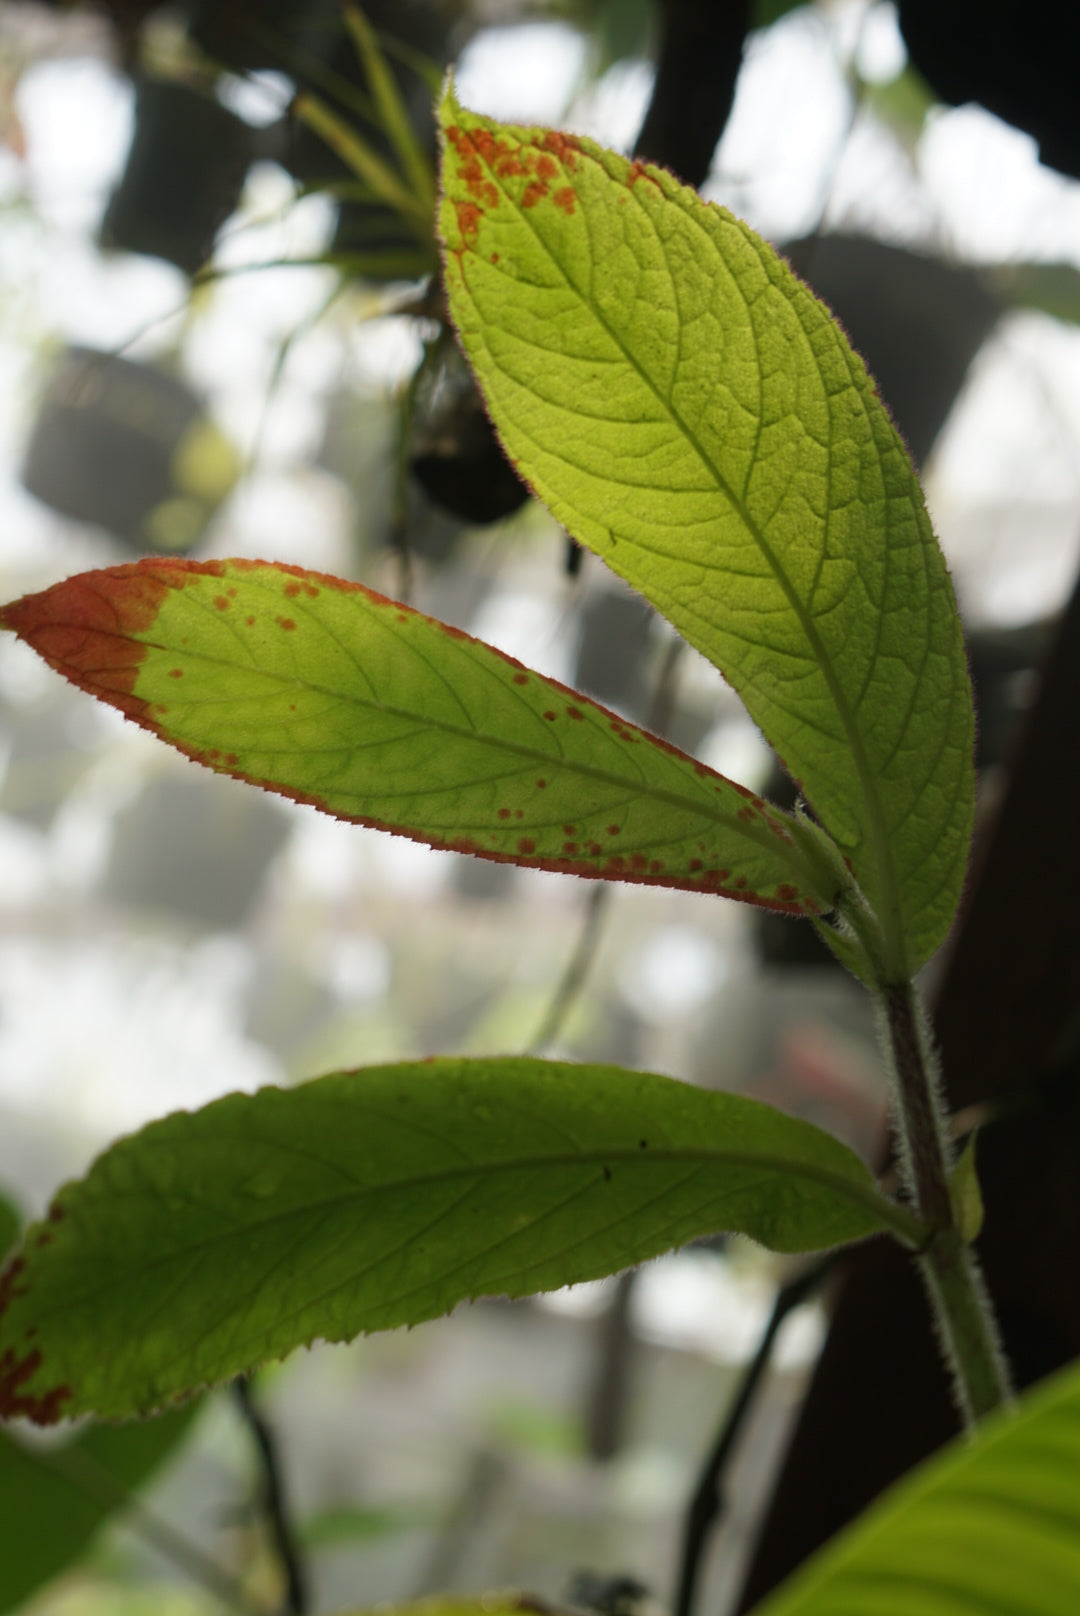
pixel 185 171
pixel 127 447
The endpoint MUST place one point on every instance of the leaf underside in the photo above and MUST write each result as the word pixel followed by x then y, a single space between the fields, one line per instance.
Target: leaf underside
pixel 990 1528
pixel 213 1241
pixel 690 412
pixel 328 693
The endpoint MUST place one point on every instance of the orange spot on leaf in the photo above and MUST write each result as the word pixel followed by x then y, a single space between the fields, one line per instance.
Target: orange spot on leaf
pixel 565 147
pixel 468 218
pixel 526 845
pixel 566 199
pixel 287 623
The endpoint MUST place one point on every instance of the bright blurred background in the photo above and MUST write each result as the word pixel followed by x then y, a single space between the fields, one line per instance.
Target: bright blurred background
pixel 167 935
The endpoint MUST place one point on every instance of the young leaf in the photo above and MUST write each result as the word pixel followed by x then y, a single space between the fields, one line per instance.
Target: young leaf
pixel 392 112
pixel 690 411
pixel 966 1193
pixel 336 696
pixel 365 162
pixel 211 1242
pixel 989 1528
pixel 53 1500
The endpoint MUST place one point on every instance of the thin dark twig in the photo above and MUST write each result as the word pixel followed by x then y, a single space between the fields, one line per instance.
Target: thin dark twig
pixel 577 969
pixel 273 1499
pixel 572 981
pixel 665 691
pixel 707 1503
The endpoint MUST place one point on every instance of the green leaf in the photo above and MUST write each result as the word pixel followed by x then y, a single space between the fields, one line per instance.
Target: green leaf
pixel 390 108
pixel 211 1242
pixel 53 1500
pixel 1052 289
pixel 989 1528
pixel 763 13
pixel 690 411
pixel 352 1523
pixel 336 696
pixel 966 1194
pixel 359 155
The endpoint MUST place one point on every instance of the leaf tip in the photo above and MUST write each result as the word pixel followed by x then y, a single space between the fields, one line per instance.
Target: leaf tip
pixel 449 105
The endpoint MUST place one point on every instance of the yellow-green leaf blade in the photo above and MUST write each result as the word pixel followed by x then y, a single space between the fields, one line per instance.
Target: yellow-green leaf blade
pixel 211 1242
pixel 690 412
pixel 989 1528
pixel 328 693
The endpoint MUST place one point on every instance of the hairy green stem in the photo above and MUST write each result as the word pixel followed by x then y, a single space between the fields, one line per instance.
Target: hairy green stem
pixel 964 1316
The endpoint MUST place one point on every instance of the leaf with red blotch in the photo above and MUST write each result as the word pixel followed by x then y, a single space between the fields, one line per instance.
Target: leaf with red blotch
pixel 333 695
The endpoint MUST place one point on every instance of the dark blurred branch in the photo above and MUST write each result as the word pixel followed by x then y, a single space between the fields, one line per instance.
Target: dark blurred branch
pixel 272 1499
pixel 1005 1016
pixel 707 1504
pixel 701 43
pixel 577 969
pixel 608 1395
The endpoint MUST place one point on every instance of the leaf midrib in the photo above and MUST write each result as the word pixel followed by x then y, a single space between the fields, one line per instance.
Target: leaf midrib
pixel 865 1197
pixel 875 807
